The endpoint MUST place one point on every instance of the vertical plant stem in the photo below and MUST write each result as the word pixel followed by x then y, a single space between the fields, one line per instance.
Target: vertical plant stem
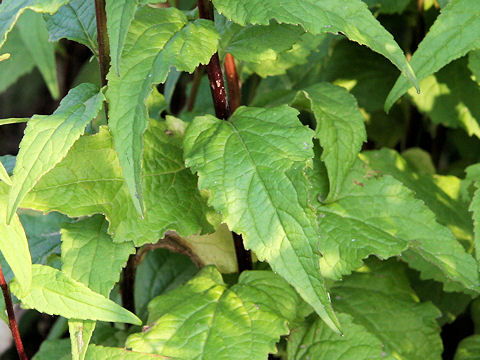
pixel 128 284
pixel 233 82
pixel 222 110
pixel 11 317
pixel 102 38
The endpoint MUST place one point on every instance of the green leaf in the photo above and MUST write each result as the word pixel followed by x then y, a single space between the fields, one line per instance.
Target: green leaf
pixel 440 193
pixel 4 175
pixel 160 271
pixel 392 223
pixel 475 209
pixel 18 64
pixel 197 320
pixel 454 33
pixel 380 299
pixel 473 64
pixel 120 14
pixel 253 168
pixel 75 21
pixel 340 129
pixel 469 348
pixel 34 34
pixel 48 138
pixel 172 199
pixel 352 18
pixel 448 98
pixel 314 340
pixel 157 40
pixel 84 245
pixel 54 349
pixel 14 245
pixel 10 10
pixel 54 292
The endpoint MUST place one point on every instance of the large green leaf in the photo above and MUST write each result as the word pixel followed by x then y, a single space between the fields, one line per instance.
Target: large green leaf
pixel 314 340
pixel 440 193
pixel 120 14
pixel 448 98
pixel 172 199
pixel 253 168
pixel 339 128
pixel 10 10
pixel 380 299
pixel 54 292
pixel 14 245
pixel 48 138
pixel 157 40
pixel 198 319
pixel 392 223
pixel 75 21
pixel 351 18
pixel 34 34
pixel 454 33
pixel 84 248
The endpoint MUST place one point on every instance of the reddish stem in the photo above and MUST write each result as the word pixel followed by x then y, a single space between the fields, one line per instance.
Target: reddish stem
pixel 233 82
pixel 222 110
pixel 11 317
pixel 102 39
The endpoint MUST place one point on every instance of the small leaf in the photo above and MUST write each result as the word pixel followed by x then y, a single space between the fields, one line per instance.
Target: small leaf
pixel 454 33
pixel 48 138
pixel 34 34
pixel 197 320
pixel 340 129
pixel 253 168
pixel 10 10
pixel 314 340
pixel 469 348
pixel 157 40
pixel 120 14
pixel 75 21
pixel 14 245
pixel 55 293
pixel 351 18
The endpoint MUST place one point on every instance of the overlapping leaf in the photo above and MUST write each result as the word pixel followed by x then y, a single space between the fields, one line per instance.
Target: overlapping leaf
pixel 392 223
pixel 253 168
pixel 440 193
pixel 90 181
pixel 75 21
pixel 199 319
pixel 90 257
pixel 339 128
pixel 351 18
pixel 314 340
pixel 381 300
pixel 54 292
pixel 48 138
pixel 10 10
pixel 454 33
pixel 4 175
pixel 14 245
pixel 469 348
pixel 120 14
pixel 157 40
pixel 388 6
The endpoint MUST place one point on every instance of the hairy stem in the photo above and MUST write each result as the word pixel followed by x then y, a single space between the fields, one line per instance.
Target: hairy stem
pixel 102 38
pixel 222 111
pixel 11 317
pixel 233 82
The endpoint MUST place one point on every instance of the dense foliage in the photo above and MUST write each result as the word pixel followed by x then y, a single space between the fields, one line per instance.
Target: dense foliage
pixel 351 172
